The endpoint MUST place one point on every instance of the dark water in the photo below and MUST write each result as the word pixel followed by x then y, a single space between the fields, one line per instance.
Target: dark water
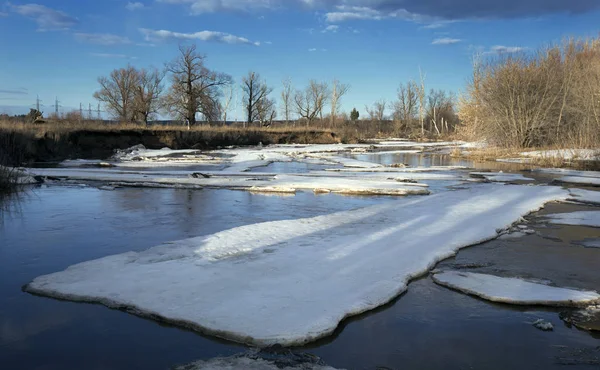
pixel 430 327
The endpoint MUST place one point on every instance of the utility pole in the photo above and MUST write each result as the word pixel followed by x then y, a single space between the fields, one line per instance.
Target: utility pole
pixel 56 106
pixel 90 111
pixel 37 103
pixel 80 112
pixel 99 117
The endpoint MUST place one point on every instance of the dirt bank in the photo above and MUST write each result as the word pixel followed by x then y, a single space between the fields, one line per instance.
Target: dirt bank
pixel 56 146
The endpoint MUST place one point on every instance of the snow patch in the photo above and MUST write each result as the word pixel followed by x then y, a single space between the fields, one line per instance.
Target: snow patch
pixel 514 290
pixel 579 180
pixel 318 270
pixel 500 176
pixel 566 154
pixel 585 196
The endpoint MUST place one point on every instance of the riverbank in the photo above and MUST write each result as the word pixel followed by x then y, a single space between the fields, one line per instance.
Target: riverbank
pixel 57 142
pixel 547 157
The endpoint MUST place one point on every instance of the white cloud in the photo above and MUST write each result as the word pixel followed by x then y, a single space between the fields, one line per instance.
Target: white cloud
pixel 312 50
pixel 214 36
pixel 46 18
pixel 3 14
pixel 212 6
pixel 345 13
pixel 102 38
pixel 331 28
pixel 445 41
pixel 134 6
pixel 500 49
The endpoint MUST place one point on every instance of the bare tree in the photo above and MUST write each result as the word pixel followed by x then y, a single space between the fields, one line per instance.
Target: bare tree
pixel 117 93
pixel 255 92
pixel 286 99
pixel 148 93
pixel 266 111
pixel 421 94
pixel 405 109
pixel 309 102
pixel 226 105
pixel 377 111
pixel 337 91
pixel 195 88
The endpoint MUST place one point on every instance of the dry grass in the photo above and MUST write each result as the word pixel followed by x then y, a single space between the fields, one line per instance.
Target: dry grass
pixel 99 126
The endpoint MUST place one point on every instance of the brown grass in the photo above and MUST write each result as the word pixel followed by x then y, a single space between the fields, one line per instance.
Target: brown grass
pixel 69 126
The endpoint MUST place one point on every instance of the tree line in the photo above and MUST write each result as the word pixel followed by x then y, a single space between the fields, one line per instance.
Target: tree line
pixel 188 90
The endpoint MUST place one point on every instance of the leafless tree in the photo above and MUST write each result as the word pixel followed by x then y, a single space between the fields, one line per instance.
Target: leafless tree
pixel 117 93
pixel 338 90
pixel 286 99
pixel 405 108
pixel 194 87
pixel 377 111
pixel 309 102
pixel 266 111
pixel 227 99
pixel 421 94
pixel 255 92
pixel 148 93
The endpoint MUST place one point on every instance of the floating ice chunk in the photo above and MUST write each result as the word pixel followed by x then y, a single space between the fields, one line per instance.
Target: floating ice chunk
pixel 591 243
pixel 585 196
pixel 500 176
pixel 398 169
pixel 240 181
pixel 317 272
pixel 586 319
pixel 568 172
pixel 580 180
pixel 140 153
pixel 584 218
pixel 543 325
pixel 513 290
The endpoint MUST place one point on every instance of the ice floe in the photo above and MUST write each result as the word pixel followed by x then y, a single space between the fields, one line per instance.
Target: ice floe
pixel 291 282
pixel 257 362
pixel 286 183
pixel 583 218
pixel 586 319
pixel 514 290
pixel 579 180
pixel 585 196
pixel 500 176
pixel 543 325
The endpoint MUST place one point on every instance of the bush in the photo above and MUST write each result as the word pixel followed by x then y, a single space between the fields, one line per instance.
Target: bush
pixel 546 98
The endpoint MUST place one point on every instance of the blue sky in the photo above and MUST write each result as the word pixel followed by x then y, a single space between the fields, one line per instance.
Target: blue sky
pixel 59 47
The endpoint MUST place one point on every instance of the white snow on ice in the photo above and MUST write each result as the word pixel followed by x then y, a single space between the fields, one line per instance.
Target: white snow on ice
pixel 285 183
pixel 585 196
pixel 500 176
pixel 514 290
pixel 291 282
pixel 583 218
pixel 580 180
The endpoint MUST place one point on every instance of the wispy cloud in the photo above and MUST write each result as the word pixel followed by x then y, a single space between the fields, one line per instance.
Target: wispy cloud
pixel 312 50
pixel 208 36
pixel 3 14
pixel 102 38
pixel 501 49
pixel 46 18
pixel 331 28
pixel 213 6
pixel 345 13
pixel 114 56
pixel 19 91
pixel 134 6
pixel 445 41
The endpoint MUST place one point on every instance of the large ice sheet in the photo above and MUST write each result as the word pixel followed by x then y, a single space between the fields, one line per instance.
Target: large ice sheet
pixel 292 282
pixel 500 176
pixel 286 183
pixel 583 218
pixel 580 180
pixel 585 196
pixel 514 290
